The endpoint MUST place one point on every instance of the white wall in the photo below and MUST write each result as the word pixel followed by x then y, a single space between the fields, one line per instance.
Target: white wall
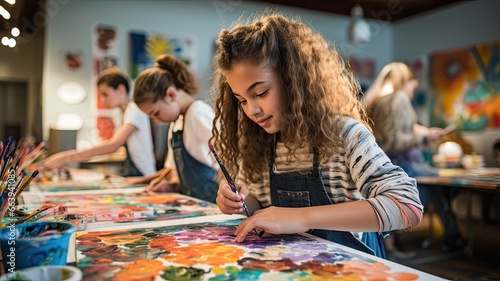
pixel 460 25
pixel 70 25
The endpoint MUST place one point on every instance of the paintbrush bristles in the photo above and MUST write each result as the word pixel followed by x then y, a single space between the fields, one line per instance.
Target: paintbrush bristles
pixel 13 181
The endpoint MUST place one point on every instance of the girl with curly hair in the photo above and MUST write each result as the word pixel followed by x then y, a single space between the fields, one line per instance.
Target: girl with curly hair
pixel 292 130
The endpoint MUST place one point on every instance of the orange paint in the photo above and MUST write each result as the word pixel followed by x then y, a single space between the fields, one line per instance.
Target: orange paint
pixel 121 239
pixel 159 199
pixel 140 269
pixel 166 242
pixel 404 276
pixel 213 254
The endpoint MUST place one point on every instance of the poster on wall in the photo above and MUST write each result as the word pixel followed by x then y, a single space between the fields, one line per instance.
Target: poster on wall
pixel 464 86
pixel 104 54
pixel 145 47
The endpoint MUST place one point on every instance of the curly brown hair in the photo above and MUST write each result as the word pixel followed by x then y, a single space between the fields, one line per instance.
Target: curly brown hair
pixel 152 83
pixel 316 86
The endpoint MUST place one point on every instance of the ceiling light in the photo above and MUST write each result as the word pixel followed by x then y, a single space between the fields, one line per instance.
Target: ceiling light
pixel 5 40
pixel 15 31
pixel 358 30
pixel 12 42
pixel 12 2
pixel 5 14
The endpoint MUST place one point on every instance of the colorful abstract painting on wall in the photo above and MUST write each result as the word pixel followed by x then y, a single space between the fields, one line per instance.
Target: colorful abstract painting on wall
pixel 207 251
pixel 146 47
pixel 465 87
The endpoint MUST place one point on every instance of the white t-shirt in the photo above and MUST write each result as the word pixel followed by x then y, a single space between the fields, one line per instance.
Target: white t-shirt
pixel 197 132
pixel 140 142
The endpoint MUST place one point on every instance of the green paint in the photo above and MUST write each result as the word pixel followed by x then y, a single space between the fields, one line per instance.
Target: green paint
pixel 181 273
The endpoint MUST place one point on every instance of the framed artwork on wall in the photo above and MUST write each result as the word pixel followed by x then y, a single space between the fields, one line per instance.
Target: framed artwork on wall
pixel 465 86
pixel 105 51
pixel 145 47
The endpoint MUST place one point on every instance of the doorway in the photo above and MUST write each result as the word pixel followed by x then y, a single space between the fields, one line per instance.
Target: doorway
pixel 13 109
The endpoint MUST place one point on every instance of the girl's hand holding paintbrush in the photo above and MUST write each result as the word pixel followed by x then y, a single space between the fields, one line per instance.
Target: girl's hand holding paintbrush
pixel 231 202
pixel 167 181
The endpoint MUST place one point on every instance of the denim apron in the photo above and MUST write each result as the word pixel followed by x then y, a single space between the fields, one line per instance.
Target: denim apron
pixel 129 168
pixel 306 188
pixel 197 179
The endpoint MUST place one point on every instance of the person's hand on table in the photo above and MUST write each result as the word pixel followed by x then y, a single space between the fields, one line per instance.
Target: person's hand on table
pixel 162 185
pixel 273 220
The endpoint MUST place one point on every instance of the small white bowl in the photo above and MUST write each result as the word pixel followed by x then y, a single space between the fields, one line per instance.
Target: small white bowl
pixel 45 273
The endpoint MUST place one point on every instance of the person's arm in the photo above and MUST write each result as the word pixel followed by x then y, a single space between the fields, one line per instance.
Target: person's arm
pixel 390 191
pixel 142 179
pixel 431 134
pixel 105 147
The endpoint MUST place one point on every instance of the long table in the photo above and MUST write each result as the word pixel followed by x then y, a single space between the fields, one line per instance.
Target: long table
pixel 203 248
pixel 481 180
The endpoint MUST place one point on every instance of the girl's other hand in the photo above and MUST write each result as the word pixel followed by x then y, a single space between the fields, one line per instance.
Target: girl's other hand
pixel 273 220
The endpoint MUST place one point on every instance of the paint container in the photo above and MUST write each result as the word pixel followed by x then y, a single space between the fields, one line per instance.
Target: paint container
pixel 46 273
pixel 35 244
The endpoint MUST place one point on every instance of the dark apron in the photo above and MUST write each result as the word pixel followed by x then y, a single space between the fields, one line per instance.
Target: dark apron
pixel 129 168
pixel 306 188
pixel 197 179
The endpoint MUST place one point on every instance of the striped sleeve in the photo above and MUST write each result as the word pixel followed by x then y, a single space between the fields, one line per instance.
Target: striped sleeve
pixel 391 192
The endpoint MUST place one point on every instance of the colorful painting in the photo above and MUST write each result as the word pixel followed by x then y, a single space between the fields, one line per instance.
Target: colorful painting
pixel 146 47
pixel 465 87
pixel 108 209
pixel 78 179
pixel 207 251
pixel 105 53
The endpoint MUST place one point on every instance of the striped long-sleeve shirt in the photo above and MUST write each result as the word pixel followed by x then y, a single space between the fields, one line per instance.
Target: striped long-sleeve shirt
pixel 360 171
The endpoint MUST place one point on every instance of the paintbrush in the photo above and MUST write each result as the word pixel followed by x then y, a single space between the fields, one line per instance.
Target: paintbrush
pixel 44 211
pixel 4 168
pixel 230 182
pixel 450 128
pixel 228 178
pixel 26 183
pixel 7 145
pixel 35 150
pixel 164 174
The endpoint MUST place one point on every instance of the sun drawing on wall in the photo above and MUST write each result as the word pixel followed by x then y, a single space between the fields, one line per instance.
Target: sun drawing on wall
pixel 145 47
pixel 465 85
pixel 157 45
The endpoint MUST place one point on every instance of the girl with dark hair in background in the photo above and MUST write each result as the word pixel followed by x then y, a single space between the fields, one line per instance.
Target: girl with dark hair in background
pixel 135 132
